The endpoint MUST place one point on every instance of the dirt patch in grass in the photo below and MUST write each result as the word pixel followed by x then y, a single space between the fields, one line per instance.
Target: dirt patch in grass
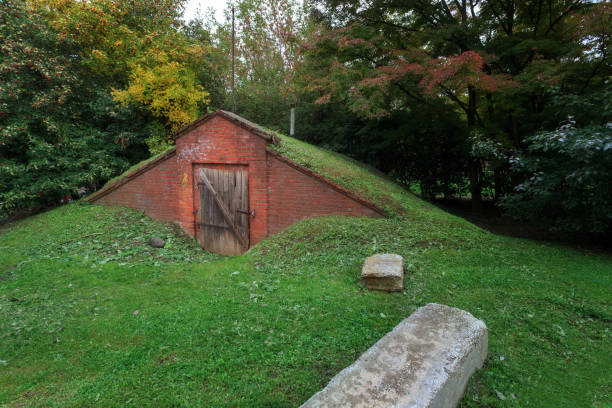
pixel 168 358
pixel 30 397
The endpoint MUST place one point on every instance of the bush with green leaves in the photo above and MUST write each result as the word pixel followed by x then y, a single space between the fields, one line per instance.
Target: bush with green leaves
pixel 59 132
pixel 567 179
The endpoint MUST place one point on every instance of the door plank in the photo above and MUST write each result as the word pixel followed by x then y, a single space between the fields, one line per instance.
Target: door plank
pixel 220 204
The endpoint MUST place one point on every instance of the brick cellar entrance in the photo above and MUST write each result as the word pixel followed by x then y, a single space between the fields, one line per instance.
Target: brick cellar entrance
pixel 227 184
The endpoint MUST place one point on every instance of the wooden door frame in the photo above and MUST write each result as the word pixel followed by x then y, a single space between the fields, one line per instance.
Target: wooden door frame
pixel 206 183
pixel 195 167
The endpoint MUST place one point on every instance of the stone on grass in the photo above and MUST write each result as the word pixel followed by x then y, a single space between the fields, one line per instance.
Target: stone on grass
pixel 156 242
pixel 425 361
pixel 383 272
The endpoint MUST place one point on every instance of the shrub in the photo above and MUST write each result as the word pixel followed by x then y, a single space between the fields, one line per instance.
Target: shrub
pixel 58 132
pixel 567 175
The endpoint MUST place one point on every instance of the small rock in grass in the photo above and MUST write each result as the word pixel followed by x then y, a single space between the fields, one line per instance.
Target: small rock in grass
pixel 383 272
pixel 156 242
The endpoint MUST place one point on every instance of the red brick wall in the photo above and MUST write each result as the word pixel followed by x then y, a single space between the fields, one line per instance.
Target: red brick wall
pixel 152 191
pixel 221 142
pixel 295 196
pixel 279 193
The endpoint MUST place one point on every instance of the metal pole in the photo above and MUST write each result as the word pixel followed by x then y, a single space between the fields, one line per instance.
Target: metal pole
pixel 292 131
pixel 233 66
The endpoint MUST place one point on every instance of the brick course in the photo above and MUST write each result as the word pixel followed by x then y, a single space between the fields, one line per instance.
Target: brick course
pixel 280 192
pixel 152 190
pixel 296 194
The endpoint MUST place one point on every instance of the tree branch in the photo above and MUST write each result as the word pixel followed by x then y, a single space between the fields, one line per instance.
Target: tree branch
pixel 574 6
pixel 390 24
pixel 498 17
pixel 410 94
pixel 593 73
pixel 472 9
pixel 461 104
pixel 447 10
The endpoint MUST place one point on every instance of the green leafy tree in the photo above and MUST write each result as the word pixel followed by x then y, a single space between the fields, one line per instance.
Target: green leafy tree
pixel 493 61
pixel 268 35
pixel 143 52
pixel 565 173
pixel 55 135
pixel 567 185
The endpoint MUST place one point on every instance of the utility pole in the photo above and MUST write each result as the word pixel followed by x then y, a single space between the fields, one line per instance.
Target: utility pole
pixel 292 127
pixel 233 66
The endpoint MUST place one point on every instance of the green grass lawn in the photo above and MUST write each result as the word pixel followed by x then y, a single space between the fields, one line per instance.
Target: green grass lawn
pixel 92 316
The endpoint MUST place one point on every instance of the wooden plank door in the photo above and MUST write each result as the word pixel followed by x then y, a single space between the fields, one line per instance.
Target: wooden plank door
pixel 224 206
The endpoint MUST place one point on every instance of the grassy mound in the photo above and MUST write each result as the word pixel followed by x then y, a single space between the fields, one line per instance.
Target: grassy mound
pixel 363 180
pixel 98 235
pixel 92 316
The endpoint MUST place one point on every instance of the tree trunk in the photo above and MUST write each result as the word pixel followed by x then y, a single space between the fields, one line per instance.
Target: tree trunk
pixel 475 186
pixel 498 179
pixel 475 168
pixel 516 140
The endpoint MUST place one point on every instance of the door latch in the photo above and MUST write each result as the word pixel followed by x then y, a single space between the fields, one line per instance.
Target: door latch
pixel 252 213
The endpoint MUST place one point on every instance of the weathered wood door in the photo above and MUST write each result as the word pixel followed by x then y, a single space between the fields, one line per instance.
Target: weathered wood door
pixel 224 210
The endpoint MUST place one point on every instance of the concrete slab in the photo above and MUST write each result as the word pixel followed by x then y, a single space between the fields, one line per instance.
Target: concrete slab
pixel 383 272
pixel 425 361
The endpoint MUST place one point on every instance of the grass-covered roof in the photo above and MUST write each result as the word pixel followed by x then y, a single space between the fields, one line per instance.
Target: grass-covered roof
pixel 357 178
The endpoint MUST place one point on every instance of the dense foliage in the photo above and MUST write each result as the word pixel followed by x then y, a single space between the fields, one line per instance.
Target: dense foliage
pixel 569 179
pixel 565 173
pixel 493 63
pixel 55 135
pixel 438 94
pixel 88 88
pixel 143 52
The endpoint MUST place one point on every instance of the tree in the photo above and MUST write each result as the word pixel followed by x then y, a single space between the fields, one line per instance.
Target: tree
pixel 142 50
pixel 268 35
pixel 567 180
pixel 166 88
pixel 493 60
pixel 565 173
pixel 55 135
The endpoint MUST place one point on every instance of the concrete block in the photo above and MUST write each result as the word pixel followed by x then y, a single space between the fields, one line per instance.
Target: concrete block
pixel 425 361
pixel 383 272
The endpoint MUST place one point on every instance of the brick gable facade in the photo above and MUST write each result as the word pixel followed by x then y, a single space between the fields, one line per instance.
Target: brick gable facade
pixel 281 192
